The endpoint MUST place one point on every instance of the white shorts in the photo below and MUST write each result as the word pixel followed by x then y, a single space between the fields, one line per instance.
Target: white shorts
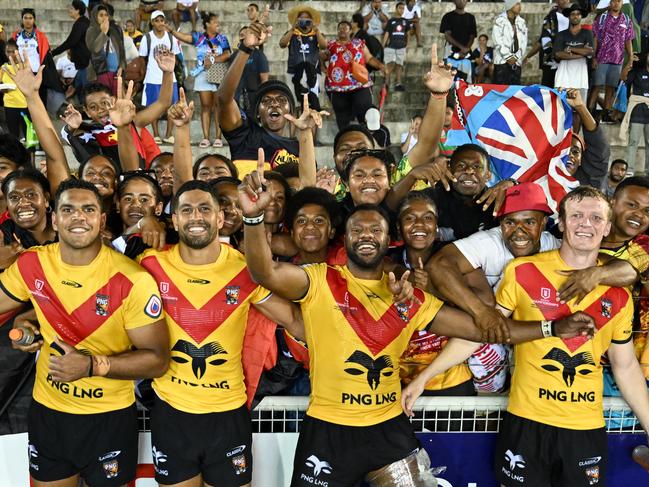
pixel 396 56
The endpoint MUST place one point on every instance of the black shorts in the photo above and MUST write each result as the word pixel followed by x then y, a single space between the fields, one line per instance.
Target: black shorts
pixel 216 445
pixel 101 447
pixel 538 455
pixel 337 455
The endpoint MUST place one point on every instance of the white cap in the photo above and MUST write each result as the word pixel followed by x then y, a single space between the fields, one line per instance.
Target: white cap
pixel 157 13
pixel 373 119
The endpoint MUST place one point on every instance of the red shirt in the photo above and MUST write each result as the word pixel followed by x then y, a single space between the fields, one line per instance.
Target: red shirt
pixel 339 69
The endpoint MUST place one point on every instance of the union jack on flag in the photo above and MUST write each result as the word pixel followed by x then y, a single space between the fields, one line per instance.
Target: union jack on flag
pixel 526 130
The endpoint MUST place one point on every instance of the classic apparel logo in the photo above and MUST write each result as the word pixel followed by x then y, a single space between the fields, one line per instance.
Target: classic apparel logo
pixel 199 356
pixel 569 364
pixel 373 368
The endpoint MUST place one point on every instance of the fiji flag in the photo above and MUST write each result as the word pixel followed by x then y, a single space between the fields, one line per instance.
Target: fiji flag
pixel 526 130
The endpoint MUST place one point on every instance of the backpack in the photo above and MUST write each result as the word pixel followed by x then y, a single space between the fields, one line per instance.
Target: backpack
pixel 179 66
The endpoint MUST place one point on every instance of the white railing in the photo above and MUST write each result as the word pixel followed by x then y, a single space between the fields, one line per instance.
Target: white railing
pixel 481 414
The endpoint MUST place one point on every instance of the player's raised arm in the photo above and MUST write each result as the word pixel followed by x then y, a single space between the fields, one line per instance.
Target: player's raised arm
pixel 286 280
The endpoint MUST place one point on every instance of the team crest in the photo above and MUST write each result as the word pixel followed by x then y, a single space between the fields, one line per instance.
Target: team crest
pixel 111 469
pixel 592 474
pixel 404 312
pixel 39 284
pixel 545 293
pixel 101 304
pixel 239 464
pixel 164 287
pixel 153 307
pixel 232 294
pixel 607 307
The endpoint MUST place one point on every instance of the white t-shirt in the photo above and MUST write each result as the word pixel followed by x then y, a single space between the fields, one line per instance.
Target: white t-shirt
pixel 66 67
pixel 374 25
pixel 486 249
pixel 410 14
pixel 153 72
pixel 411 144
pixel 31 46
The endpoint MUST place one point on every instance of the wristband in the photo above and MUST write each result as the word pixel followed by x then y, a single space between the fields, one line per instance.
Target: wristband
pixel 438 95
pixel 90 371
pixel 243 48
pixel 255 220
pixel 547 328
pixel 512 180
pixel 553 329
pixel 101 365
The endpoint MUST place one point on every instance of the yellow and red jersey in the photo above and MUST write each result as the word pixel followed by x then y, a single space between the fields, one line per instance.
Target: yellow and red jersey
pixel 91 308
pixel 206 308
pixel 356 335
pixel 559 381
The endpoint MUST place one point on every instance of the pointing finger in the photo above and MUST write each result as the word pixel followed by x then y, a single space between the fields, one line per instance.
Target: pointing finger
pixel 305 103
pixel 421 264
pixel 433 56
pixel 181 96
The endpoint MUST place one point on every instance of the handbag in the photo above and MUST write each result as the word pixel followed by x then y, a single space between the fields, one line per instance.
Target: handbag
pixel 216 72
pixel 359 72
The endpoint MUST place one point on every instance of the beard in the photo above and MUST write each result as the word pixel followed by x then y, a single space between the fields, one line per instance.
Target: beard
pixel 197 242
pixel 363 263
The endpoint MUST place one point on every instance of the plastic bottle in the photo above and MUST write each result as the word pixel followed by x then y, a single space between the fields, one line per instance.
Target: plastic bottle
pixel 21 336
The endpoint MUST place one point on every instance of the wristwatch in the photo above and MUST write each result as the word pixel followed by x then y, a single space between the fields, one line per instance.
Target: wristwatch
pixel 212 59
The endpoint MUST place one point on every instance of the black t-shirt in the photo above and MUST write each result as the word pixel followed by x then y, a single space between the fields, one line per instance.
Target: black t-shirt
pixel 245 140
pixel 373 45
pixel 257 63
pixel 397 30
pixel 566 38
pixel 459 214
pixel 461 26
pixel 638 80
pixel 303 49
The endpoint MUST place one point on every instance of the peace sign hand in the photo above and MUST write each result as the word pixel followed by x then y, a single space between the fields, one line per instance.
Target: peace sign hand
pixel 122 112
pixel 440 77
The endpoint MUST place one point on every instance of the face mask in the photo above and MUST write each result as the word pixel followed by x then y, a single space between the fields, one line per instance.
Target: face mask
pixel 304 23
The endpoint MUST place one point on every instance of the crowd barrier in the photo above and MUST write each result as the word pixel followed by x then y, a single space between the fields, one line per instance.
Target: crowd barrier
pixel 459 434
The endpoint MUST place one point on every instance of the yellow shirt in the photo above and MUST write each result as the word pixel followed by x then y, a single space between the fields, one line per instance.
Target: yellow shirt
pixel 12 98
pixel 559 382
pixel 355 336
pixel 636 252
pixel 206 307
pixel 91 308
